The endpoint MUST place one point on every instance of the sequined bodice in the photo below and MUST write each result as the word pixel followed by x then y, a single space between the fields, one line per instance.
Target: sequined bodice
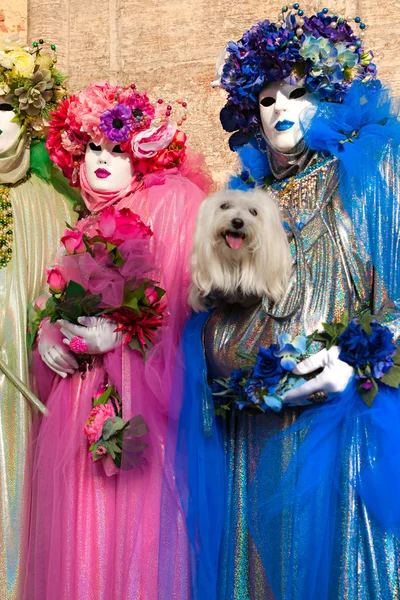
pixel 330 274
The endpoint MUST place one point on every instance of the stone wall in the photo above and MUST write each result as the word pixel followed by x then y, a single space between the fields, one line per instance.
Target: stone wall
pixel 169 47
pixel 13 17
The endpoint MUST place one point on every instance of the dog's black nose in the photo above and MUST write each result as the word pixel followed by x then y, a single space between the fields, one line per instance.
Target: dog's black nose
pixel 237 223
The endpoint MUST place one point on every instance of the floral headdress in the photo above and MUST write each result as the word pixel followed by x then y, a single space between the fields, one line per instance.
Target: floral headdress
pixel 321 53
pixel 30 82
pixel 120 115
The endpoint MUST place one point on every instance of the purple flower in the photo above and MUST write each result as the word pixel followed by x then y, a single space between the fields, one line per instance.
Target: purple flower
pixel 116 123
pixel 253 390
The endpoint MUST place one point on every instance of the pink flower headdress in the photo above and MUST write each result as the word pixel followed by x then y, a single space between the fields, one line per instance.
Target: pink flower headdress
pixel 119 115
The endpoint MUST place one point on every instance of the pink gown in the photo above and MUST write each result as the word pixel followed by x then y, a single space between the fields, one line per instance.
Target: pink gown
pixel 93 536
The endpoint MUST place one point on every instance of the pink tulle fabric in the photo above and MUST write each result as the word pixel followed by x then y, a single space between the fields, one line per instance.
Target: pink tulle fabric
pixel 94 536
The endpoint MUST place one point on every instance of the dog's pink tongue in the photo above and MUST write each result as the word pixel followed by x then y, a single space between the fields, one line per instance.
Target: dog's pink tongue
pixel 234 242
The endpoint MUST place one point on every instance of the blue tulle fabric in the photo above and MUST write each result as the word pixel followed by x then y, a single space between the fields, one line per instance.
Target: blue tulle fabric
pixel 254 163
pixel 197 455
pixel 346 462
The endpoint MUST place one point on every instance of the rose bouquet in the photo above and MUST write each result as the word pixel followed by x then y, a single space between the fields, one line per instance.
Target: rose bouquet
pixel 261 384
pixel 104 273
pixel 106 430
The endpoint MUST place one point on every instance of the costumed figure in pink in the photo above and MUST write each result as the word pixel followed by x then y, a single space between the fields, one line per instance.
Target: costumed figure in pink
pixel 98 456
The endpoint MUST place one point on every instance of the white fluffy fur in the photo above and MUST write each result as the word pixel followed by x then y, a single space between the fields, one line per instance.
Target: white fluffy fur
pixel 260 267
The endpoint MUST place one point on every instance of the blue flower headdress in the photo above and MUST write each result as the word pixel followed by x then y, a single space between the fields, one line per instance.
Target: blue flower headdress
pixel 321 53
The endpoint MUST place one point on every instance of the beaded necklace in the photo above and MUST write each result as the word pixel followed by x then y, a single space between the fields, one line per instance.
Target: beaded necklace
pixel 298 191
pixel 7 221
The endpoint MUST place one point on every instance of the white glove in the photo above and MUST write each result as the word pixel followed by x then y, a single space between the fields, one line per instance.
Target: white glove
pixel 97 332
pixel 53 352
pixel 332 380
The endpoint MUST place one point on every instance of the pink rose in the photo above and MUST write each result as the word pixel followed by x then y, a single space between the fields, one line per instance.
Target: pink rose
pixel 118 226
pixel 55 280
pixel 73 241
pixel 101 450
pixel 149 142
pixel 151 294
pixel 94 425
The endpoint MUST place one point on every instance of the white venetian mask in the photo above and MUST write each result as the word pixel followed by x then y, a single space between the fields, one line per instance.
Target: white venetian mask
pixel 281 106
pixel 9 131
pixel 108 168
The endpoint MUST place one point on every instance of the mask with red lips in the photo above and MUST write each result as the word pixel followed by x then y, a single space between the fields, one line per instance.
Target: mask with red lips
pixel 108 169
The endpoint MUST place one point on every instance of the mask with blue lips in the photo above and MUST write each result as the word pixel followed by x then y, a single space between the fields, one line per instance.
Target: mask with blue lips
pixel 281 106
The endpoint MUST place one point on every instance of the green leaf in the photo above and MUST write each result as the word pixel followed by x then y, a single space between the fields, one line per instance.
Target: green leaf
pixel 70 310
pixel 104 396
pixel 345 319
pixel 117 258
pixel 368 395
pixel 393 377
pixel 160 291
pixel 396 357
pixel 90 303
pixel 138 426
pixel 74 291
pixel 51 306
pixel 135 345
pixel 112 425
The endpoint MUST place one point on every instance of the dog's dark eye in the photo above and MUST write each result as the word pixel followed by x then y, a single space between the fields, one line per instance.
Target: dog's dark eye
pixel 93 146
pixel 224 206
pixel 297 93
pixel 118 149
pixel 268 101
pixel 253 212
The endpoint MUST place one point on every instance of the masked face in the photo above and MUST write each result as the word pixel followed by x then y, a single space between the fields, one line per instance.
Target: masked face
pixel 9 131
pixel 108 168
pixel 281 106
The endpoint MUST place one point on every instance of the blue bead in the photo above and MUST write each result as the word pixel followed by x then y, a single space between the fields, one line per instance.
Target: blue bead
pixel 300 13
pixel 362 26
pixel 358 44
pixel 325 10
pixel 295 38
pixel 284 8
pixel 357 20
pixel 296 6
pixel 300 226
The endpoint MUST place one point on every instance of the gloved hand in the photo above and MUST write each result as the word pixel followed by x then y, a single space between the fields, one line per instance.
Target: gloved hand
pixel 98 333
pixel 332 380
pixel 52 350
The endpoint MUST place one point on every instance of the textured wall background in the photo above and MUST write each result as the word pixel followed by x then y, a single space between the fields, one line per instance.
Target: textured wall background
pixel 13 17
pixel 169 47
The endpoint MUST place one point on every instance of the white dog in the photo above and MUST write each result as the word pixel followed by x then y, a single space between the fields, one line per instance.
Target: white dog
pixel 239 247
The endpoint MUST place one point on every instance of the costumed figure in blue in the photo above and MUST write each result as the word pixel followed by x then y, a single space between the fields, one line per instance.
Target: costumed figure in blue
pixel 287 459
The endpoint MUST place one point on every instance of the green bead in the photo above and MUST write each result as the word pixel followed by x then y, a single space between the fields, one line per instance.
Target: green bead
pixel 40 41
pixel 9 250
pixel 9 232
pixel 341 20
pixel 53 47
pixel 35 44
pixel 284 9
